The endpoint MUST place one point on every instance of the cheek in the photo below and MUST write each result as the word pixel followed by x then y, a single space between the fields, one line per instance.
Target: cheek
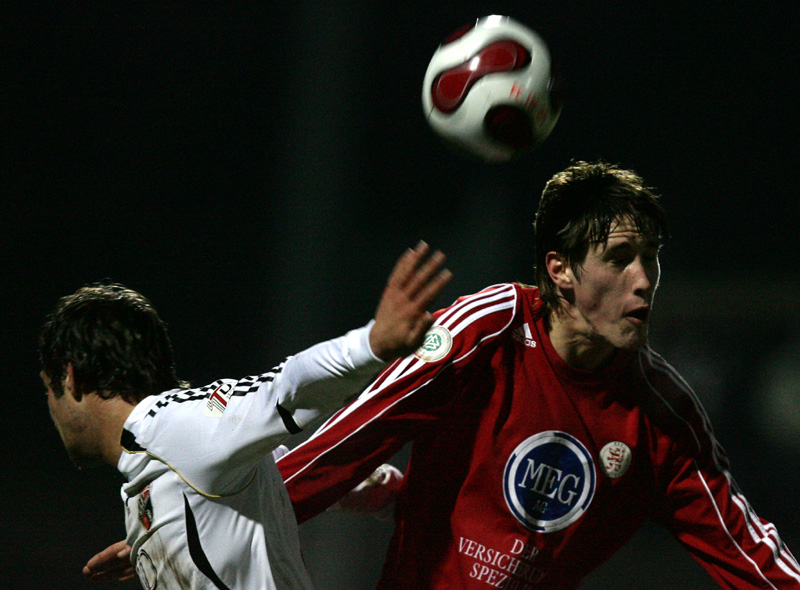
pixel 594 296
pixel 57 421
pixel 51 407
pixel 59 416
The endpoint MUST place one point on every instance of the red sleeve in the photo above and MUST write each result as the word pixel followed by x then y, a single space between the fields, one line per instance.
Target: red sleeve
pixel 707 513
pixel 408 397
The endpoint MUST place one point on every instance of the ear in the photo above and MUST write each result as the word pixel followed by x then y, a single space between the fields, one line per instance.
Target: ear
pixel 559 271
pixel 69 383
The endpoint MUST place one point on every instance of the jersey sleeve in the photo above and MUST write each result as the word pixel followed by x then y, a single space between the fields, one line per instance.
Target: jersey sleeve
pixel 407 398
pixel 716 524
pixel 317 381
pixel 213 436
pixel 708 514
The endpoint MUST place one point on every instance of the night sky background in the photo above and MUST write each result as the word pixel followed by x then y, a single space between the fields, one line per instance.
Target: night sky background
pixel 256 168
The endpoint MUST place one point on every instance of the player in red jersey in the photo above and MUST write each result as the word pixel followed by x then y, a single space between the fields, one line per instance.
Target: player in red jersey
pixel 545 430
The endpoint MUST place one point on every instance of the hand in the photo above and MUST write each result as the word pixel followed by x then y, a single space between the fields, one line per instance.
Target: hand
pixel 402 319
pixel 376 494
pixel 112 563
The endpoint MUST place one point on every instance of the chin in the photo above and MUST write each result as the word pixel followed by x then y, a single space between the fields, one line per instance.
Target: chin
pixel 634 347
pixel 81 459
pixel 633 342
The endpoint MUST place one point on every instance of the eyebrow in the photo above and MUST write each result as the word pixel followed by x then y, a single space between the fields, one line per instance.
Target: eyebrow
pixel 627 243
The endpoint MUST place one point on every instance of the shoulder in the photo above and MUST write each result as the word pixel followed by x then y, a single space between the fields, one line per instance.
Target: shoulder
pixel 208 400
pixel 673 405
pixel 178 401
pixel 197 433
pixel 472 322
pixel 171 414
pixel 487 310
pixel 183 413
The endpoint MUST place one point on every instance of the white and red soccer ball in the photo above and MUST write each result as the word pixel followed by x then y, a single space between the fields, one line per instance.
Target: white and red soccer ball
pixel 490 91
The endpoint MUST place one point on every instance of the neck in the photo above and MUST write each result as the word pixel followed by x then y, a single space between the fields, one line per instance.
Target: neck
pixel 576 343
pixel 111 415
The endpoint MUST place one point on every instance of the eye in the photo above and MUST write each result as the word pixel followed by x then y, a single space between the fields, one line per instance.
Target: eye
pixel 651 254
pixel 621 258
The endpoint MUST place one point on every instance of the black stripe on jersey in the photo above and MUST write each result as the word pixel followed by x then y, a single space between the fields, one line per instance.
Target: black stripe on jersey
pixel 128 442
pixel 180 397
pixel 196 550
pixel 288 420
pixel 244 386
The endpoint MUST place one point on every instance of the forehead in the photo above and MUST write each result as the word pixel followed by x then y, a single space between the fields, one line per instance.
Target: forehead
pixel 625 230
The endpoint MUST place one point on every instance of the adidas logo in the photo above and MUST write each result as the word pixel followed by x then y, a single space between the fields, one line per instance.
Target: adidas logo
pixel 524 336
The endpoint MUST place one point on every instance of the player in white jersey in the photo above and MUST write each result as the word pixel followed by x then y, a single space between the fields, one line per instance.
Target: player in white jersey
pixel 205 504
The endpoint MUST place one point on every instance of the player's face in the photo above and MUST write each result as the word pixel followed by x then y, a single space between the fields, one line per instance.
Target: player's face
pixel 614 289
pixel 75 426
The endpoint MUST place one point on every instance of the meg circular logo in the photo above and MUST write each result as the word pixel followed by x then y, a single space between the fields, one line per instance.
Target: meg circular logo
pixel 549 481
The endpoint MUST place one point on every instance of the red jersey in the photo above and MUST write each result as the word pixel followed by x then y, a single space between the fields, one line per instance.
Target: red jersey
pixel 528 473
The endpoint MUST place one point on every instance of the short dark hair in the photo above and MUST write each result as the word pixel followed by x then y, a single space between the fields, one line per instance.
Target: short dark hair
pixel 115 341
pixel 577 209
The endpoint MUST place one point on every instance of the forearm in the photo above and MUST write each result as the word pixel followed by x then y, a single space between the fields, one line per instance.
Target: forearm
pixel 345 451
pixel 717 525
pixel 320 379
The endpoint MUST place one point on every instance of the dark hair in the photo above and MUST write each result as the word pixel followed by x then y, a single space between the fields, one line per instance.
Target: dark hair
pixel 117 344
pixel 578 208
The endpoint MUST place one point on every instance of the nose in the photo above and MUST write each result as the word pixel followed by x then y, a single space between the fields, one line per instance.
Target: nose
pixel 646 276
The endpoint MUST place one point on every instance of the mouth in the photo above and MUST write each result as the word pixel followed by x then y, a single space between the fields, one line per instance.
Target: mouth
pixel 639 315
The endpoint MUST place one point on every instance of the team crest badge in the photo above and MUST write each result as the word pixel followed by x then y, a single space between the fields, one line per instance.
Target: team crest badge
pixel 218 400
pixel 145 506
pixel 615 458
pixel 438 342
pixel 549 481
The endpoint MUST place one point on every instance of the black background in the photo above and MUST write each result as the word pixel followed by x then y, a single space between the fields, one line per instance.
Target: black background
pixel 256 169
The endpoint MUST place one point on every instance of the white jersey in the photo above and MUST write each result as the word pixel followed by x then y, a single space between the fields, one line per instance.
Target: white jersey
pixel 205 505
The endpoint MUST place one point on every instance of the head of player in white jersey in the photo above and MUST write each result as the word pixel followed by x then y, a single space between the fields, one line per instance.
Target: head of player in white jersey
pixel 599 230
pixel 106 346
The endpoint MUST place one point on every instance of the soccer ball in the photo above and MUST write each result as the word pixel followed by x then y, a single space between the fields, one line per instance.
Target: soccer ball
pixel 490 91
